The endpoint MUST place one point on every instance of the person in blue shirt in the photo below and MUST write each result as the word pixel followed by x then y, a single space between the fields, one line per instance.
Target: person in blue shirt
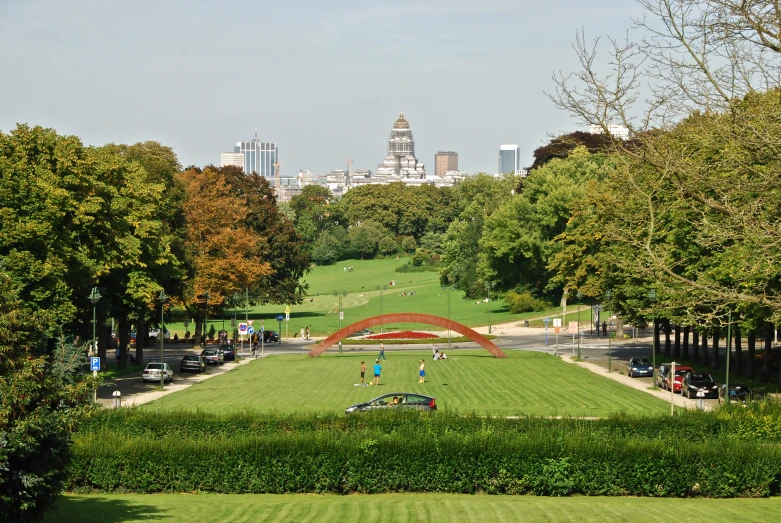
pixel 377 370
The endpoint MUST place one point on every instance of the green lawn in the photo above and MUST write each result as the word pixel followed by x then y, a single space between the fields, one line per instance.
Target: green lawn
pixel 469 381
pixel 363 301
pixel 404 507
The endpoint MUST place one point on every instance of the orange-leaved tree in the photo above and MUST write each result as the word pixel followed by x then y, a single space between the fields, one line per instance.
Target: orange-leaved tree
pixel 222 255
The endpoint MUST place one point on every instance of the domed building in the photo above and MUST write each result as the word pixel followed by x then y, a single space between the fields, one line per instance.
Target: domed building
pixel 401 161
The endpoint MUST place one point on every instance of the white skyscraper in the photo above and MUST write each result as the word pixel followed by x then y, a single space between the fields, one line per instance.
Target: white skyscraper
pixel 509 159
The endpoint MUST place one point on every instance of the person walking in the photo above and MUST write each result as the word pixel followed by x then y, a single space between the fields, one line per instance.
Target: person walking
pixel 377 370
pixel 382 353
pixel 422 372
pixel 363 371
pixel 306 333
pixel 604 329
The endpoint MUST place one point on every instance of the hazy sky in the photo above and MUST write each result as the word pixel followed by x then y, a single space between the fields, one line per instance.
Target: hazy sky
pixel 324 79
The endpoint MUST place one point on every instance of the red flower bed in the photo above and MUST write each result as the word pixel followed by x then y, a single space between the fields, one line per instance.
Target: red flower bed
pixel 403 335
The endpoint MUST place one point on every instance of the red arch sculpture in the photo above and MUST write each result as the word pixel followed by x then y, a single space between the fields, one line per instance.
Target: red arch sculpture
pixel 405 317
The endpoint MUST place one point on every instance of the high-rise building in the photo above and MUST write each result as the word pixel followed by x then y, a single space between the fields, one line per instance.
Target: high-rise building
pixel 619 131
pixel 445 161
pixel 236 159
pixel 401 161
pixel 509 159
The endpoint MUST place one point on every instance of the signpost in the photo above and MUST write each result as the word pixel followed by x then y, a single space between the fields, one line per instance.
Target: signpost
pixel 262 333
pixel 94 365
pixel 556 329
pixel 287 321
pixel 546 320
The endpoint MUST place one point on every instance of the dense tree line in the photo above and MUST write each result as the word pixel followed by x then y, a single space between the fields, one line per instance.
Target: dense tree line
pixel 128 221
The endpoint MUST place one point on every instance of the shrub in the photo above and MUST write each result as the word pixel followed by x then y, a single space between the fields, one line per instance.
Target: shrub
pixel 524 302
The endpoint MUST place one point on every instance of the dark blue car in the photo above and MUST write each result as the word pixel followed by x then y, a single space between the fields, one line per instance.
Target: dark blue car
pixel 639 366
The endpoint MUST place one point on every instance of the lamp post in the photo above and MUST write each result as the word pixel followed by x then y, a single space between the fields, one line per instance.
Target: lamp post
pixel 652 299
pixel 446 288
pixel 382 289
pixel 236 299
pixel 246 320
pixel 729 351
pixel 94 297
pixel 488 286
pixel 206 318
pixel 162 297
pixel 608 297
pixel 340 295
pixel 579 296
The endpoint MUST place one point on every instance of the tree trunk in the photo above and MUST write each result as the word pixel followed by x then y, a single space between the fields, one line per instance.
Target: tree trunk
pixel 100 332
pixel 685 346
pixel 657 346
pixel 198 330
pixel 677 346
pixel 140 331
pixel 123 335
pixel 704 348
pixel 765 377
pixel 751 348
pixel 667 337
pixel 695 345
pixel 738 349
pixel 715 357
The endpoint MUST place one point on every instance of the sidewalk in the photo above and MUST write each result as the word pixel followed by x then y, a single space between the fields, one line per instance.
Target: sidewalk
pixel 678 400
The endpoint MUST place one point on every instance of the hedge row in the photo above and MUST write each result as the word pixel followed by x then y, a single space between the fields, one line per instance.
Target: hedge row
pixel 760 422
pixel 347 463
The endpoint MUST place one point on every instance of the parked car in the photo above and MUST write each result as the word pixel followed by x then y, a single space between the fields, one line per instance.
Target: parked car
pixel 674 382
pixel 693 383
pixel 737 392
pixel 360 333
pixel 661 374
pixel 192 363
pixel 228 352
pixel 153 370
pixel 154 333
pixel 404 400
pixel 213 356
pixel 639 366
pixel 270 336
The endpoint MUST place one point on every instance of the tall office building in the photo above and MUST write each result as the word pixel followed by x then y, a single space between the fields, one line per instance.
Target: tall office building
pixel 236 159
pixel 509 159
pixel 445 161
pixel 259 157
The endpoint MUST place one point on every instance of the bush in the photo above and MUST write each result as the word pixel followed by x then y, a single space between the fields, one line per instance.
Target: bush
pixel 520 303
pixel 695 454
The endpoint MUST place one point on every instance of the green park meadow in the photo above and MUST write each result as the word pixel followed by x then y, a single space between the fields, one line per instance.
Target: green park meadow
pixel 469 381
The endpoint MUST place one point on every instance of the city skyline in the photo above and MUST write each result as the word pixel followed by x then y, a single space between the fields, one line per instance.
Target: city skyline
pixel 317 93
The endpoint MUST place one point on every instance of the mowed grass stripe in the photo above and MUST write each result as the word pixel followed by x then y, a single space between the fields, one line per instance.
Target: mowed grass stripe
pixel 405 507
pixel 524 383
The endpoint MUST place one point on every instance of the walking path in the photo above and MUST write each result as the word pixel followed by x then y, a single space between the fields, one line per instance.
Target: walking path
pixel 678 400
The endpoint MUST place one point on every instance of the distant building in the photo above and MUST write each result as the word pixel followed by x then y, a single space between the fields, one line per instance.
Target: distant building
pixel 306 177
pixel 401 161
pixel 445 161
pixel 236 159
pixel 509 159
pixel 619 131
pixel 256 157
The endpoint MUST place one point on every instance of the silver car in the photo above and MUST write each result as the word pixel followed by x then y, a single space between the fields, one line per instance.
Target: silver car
pixel 153 370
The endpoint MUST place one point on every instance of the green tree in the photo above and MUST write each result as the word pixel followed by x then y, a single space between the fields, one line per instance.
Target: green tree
pixel 364 239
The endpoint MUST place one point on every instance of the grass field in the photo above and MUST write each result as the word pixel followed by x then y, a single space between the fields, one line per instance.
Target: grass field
pixel 363 301
pixel 469 381
pixel 405 507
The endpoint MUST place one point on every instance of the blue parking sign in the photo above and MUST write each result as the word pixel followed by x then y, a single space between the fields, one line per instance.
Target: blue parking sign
pixel 251 330
pixel 94 363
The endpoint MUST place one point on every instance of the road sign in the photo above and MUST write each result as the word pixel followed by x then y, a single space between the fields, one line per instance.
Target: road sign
pixel 597 308
pixel 94 364
pixel 250 322
pixel 287 316
pixel 287 309
pixel 546 320
pixel 251 330
pixel 556 329
pixel 557 322
pixel 242 328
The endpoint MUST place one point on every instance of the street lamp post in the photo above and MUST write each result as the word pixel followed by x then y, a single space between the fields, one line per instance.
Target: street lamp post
pixel 488 286
pixel 162 297
pixel 608 297
pixel 580 297
pixel 382 289
pixel 446 288
pixel 729 351
pixel 340 295
pixel 652 299
pixel 94 297
pixel 206 318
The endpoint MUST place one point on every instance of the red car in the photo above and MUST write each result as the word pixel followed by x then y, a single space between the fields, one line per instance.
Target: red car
pixel 680 372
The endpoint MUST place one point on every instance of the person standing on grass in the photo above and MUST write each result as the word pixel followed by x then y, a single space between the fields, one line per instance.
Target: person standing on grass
pixel 363 371
pixel 377 370
pixel 422 372
pixel 434 352
pixel 382 353
pixel 306 333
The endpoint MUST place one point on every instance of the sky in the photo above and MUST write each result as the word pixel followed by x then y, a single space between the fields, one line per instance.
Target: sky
pixel 325 80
